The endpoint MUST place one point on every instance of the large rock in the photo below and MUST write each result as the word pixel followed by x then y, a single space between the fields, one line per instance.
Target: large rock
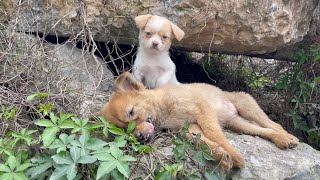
pixel 265 161
pixel 269 28
pixel 76 80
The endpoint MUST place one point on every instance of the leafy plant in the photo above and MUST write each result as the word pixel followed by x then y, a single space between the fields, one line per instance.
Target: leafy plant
pixel 53 126
pixel 8 112
pixel 301 84
pixel 14 168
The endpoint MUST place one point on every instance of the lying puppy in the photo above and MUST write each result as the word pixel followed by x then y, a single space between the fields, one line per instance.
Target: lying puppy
pixel 207 108
pixel 153 65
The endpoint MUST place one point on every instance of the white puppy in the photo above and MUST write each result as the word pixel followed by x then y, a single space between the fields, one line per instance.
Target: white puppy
pixel 153 65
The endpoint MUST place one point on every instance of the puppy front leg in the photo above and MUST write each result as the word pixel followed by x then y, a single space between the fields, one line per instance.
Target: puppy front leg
pixel 168 77
pixel 208 123
pixel 221 156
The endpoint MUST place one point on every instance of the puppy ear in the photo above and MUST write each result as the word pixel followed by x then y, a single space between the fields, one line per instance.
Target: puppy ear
pixel 177 32
pixel 142 20
pixel 127 82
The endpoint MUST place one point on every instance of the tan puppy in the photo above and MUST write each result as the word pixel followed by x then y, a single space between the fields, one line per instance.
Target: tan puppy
pixel 207 108
pixel 153 65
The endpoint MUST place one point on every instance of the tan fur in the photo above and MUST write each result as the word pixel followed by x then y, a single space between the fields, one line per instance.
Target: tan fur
pixel 206 107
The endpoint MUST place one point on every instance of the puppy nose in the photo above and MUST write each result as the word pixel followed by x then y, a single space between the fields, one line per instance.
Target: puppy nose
pixel 139 136
pixel 155 43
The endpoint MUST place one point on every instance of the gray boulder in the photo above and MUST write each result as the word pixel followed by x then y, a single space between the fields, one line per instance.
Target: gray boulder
pixel 265 161
pixel 270 28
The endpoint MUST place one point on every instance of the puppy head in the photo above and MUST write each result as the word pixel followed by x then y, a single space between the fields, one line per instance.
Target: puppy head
pixel 128 103
pixel 156 33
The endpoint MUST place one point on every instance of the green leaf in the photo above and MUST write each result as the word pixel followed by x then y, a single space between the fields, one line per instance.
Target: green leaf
pixel 163 175
pixel 96 125
pixel 20 176
pixel 104 156
pixel 115 151
pixel 102 119
pixel 12 161
pixel 72 172
pixel 116 131
pixel 117 175
pixel 105 168
pixel 208 157
pixel 67 124
pixel 199 158
pixel 95 144
pixel 144 148
pixel 87 159
pixel 131 126
pixel 22 167
pixel 77 121
pixel 7 176
pixel 63 158
pixel 4 168
pixel 127 158
pixel 32 96
pixel 84 138
pixel 49 135
pixel 45 123
pixel 123 167
pixel 59 172
pixel 105 131
pixel 38 169
pixel 75 153
pixel 211 175
pixel 31 132
pixel 53 118
pixel 75 129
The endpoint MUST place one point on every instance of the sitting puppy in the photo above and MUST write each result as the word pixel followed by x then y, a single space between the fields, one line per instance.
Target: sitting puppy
pixel 153 65
pixel 206 107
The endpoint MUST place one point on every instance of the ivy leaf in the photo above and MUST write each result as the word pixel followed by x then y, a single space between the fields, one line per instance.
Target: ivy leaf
pixel 105 167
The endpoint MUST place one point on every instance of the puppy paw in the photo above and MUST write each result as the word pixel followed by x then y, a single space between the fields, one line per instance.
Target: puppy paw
pixel 224 159
pixel 285 141
pixel 238 160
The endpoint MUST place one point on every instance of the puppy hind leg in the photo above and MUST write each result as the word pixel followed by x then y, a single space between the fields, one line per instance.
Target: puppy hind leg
pixel 241 125
pixel 249 109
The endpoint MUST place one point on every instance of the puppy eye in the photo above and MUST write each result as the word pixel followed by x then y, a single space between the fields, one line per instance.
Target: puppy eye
pixel 164 37
pixel 131 113
pixel 148 33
